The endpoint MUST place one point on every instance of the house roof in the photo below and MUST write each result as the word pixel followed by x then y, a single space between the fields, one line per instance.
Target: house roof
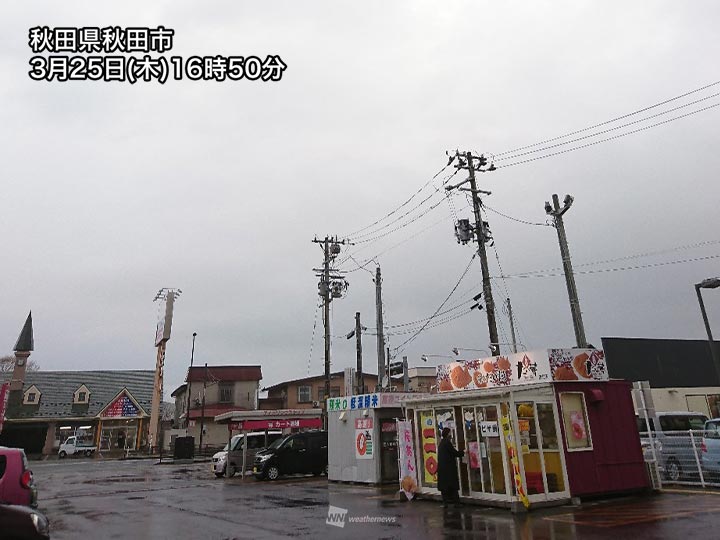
pixel 333 375
pixel 57 388
pixel 224 373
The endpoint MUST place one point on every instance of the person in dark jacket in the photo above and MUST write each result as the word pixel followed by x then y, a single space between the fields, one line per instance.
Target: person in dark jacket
pixel 447 472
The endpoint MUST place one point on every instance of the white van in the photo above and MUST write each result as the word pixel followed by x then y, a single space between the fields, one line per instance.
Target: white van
pixel 256 441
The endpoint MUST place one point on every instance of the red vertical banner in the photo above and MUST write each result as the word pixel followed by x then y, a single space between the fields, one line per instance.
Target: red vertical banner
pixel 4 392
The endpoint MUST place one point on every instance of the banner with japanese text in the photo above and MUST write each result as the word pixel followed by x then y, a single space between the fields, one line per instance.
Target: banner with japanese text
pixel 406 458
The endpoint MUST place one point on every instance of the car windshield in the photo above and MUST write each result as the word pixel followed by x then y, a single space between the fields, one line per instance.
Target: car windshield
pixel 276 443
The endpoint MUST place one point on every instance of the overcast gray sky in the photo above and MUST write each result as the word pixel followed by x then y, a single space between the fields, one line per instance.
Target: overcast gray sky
pixel 112 191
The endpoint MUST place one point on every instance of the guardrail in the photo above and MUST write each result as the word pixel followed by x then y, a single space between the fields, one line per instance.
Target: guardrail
pixel 683 457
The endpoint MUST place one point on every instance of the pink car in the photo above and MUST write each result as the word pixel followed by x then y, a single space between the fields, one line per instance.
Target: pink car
pixel 16 479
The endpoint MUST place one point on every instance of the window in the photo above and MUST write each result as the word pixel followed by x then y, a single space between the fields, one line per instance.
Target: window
pixel 3 465
pixel 304 394
pixel 82 396
pixel 682 422
pixel 31 397
pixel 226 392
pixel 642 426
pixel 712 430
pixel 574 415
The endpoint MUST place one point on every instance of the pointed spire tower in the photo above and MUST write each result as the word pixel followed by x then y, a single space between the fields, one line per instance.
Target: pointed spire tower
pixel 23 348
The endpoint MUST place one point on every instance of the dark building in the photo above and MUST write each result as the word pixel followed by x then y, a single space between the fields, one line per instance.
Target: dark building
pixel 680 371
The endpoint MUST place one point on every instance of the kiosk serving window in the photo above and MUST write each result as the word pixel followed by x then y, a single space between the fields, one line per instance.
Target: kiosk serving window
pixel 574 416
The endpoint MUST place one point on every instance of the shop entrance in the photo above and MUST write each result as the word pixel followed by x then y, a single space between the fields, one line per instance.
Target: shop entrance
pixel 485 450
pixel 388 450
pixel 539 449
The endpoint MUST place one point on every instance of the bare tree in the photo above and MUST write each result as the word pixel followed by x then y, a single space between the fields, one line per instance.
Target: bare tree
pixel 7 364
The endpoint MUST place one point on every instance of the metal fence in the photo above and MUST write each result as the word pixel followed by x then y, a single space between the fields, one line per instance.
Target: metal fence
pixel 682 457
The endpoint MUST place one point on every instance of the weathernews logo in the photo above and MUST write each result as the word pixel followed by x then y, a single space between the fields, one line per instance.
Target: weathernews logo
pixel 337 517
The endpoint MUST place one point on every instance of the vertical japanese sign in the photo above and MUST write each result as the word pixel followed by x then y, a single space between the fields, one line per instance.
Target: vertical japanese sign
pixel 4 392
pixel 363 438
pixel 512 452
pixel 429 447
pixel 406 457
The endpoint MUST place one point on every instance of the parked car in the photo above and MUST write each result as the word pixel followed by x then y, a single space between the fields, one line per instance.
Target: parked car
pixel 75 446
pixel 256 441
pixel 711 450
pixel 670 433
pixel 305 452
pixel 17 485
pixel 23 523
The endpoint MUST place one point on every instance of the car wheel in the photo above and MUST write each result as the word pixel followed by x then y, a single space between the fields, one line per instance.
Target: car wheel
pixel 88 453
pixel 220 474
pixel 273 472
pixel 62 453
pixel 673 470
pixel 327 470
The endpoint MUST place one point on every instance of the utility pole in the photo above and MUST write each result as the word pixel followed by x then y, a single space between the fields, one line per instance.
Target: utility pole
pixel 330 286
pixel 512 326
pixel 557 212
pixel 387 370
pixel 189 385
pixel 467 161
pixel 406 378
pixel 379 326
pixel 202 411
pixel 358 347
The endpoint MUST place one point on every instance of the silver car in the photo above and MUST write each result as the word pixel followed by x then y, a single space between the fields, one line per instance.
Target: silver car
pixel 256 441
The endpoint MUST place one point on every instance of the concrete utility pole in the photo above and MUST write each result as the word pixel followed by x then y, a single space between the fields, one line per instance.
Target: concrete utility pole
pixel 189 385
pixel 406 378
pixel 358 346
pixel 379 326
pixel 467 161
pixel 202 411
pixel 710 283
pixel 557 212
pixel 329 290
pixel 512 326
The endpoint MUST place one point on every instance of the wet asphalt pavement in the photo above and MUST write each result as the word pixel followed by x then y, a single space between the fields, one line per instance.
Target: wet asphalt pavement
pixel 94 499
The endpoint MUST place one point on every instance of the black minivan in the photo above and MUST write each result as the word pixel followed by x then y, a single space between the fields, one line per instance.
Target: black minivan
pixel 302 453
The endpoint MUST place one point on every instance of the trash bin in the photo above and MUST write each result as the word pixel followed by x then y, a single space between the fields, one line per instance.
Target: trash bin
pixel 184 448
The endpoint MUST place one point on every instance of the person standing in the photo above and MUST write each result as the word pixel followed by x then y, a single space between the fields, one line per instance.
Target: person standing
pixel 447 472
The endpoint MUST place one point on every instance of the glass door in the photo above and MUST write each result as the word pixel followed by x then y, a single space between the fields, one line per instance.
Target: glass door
pixel 530 448
pixel 484 449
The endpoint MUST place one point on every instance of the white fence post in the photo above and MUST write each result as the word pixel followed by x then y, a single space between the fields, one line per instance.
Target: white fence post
pixel 697 458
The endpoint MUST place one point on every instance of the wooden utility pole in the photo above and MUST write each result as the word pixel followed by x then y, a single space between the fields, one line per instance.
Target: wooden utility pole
pixel 358 347
pixel 379 326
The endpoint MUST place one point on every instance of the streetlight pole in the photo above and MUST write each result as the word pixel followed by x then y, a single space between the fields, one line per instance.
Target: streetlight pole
pixel 710 283
pixel 189 385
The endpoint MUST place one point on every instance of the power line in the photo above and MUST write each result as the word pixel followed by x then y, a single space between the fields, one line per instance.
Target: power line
pixel 546 224
pixel 403 204
pixel 383 252
pixel 630 257
pixel 610 121
pixel 312 340
pixel 618 269
pixel 401 347
pixel 516 155
pixel 609 138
